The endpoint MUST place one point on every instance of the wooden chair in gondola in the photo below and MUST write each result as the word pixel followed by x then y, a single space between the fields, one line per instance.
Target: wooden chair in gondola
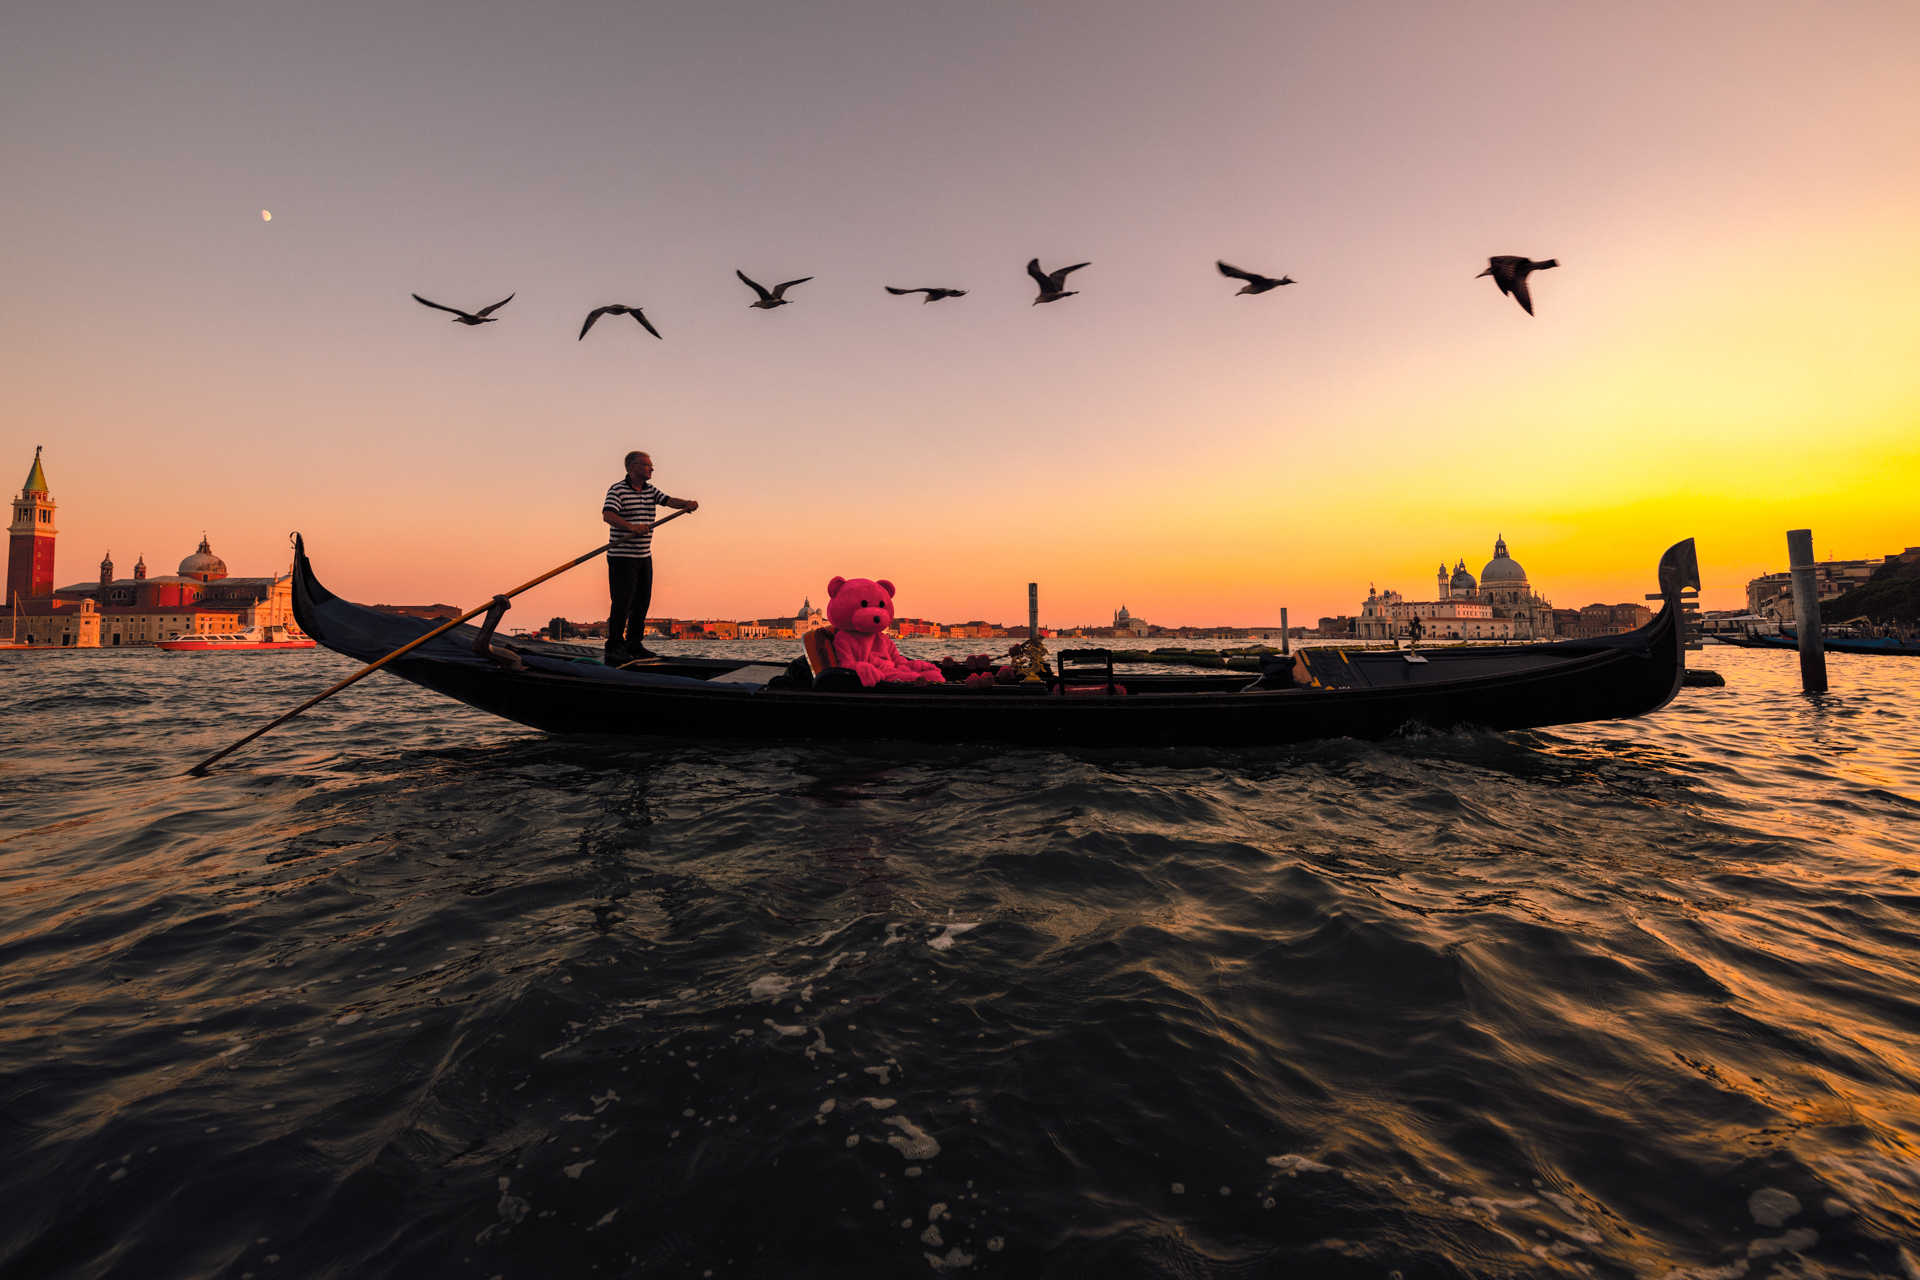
pixel 819 647
pixel 828 675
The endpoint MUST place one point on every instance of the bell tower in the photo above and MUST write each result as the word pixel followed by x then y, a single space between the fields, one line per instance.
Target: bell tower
pixel 30 538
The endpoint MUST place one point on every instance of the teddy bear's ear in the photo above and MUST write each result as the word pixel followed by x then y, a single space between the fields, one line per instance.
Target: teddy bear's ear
pixel 833 588
pixel 887 587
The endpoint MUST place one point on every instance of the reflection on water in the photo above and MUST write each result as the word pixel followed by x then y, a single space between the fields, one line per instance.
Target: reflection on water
pixel 405 990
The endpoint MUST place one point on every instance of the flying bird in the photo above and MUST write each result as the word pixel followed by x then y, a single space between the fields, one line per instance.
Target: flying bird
pixel 1255 284
pixel 616 310
pixel 1510 273
pixel 768 301
pixel 933 295
pixel 483 316
pixel 1050 281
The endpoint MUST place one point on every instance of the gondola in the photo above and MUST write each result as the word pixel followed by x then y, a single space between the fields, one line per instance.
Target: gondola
pixel 1365 694
pixel 1880 647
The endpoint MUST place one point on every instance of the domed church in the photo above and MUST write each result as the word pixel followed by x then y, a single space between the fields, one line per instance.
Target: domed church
pixel 1503 583
pixel 1500 605
pixel 199 597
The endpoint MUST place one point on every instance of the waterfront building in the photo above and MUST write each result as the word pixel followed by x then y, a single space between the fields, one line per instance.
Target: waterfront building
pixel 1771 594
pixel 786 626
pixel 139 610
pixel 1124 622
pixel 1608 620
pixel 1500 605
pixel 200 596
pixel 809 618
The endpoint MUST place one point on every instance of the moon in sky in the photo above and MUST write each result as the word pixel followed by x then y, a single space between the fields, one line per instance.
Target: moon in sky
pixel 265 216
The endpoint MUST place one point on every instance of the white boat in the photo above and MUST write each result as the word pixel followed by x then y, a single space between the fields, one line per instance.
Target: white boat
pixel 251 638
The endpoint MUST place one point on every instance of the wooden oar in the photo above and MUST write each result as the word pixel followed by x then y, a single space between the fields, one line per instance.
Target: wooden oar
pixel 201 768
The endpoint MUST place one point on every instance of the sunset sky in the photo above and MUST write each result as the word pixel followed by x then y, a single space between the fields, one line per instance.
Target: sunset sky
pixel 1729 349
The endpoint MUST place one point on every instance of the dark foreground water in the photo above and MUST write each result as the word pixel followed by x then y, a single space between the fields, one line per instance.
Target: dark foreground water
pixel 406 991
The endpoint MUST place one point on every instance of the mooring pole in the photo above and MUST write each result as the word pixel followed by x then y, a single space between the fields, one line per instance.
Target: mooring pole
pixel 1032 656
pixel 1806 611
pixel 1284 646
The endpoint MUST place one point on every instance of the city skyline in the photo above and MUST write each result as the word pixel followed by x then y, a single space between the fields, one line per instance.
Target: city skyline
pixel 1712 600
pixel 1724 351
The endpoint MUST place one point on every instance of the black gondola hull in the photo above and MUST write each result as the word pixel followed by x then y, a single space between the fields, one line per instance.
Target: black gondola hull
pixel 1516 687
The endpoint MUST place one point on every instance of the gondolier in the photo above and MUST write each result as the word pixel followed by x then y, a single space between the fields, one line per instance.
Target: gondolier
pixel 629 510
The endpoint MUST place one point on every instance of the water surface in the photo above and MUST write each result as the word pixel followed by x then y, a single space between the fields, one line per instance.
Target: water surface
pixel 403 990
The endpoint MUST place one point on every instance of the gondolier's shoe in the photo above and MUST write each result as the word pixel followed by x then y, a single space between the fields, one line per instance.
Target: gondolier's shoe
pixel 644 654
pixel 617 655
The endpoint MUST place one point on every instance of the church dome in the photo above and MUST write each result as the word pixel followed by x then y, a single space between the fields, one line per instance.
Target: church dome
pixel 1462 582
pixel 203 564
pixel 1503 568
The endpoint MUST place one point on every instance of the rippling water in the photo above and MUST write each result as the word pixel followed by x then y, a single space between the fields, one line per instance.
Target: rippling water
pixel 403 990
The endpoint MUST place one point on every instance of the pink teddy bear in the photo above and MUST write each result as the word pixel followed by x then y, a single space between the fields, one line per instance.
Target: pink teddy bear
pixel 861 610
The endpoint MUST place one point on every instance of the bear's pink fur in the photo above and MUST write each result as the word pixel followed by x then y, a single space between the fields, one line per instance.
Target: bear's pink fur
pixel 861 610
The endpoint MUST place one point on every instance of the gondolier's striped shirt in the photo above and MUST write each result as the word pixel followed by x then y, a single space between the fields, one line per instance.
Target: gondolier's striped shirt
pixel 635 505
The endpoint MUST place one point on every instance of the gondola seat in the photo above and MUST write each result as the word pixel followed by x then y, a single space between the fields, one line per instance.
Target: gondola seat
pixel 828 675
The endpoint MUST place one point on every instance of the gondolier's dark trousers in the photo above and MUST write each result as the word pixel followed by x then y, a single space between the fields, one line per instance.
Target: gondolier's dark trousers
pixel 630 581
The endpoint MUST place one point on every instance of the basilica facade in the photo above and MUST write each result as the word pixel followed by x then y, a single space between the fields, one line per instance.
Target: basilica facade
pixel 1500 605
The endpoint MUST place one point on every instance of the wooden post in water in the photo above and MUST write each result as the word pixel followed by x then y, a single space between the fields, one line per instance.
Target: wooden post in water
pixel 1031 658
pixel 1806 611
pixel 1285 647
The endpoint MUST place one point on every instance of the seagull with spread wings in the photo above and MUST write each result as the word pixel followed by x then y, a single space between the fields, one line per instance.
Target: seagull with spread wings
pixel 1255 284
pixel 768 301
pixel 1050 282
pixel 617 309
pixel 933 295
pixel 483 316
pixel 1510 273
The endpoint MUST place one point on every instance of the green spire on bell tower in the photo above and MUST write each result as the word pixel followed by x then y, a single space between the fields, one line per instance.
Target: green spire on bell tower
pixel 36 478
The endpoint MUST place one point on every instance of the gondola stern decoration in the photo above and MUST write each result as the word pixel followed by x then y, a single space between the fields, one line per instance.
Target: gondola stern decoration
pixel 1679 569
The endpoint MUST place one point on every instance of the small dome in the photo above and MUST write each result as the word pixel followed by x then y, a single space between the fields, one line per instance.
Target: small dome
pixel 1462 580
pixel 203 564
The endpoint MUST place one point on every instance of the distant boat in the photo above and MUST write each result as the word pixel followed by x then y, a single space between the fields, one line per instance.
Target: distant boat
pixel 1882 646
pixel 561 688
pixel 251 638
